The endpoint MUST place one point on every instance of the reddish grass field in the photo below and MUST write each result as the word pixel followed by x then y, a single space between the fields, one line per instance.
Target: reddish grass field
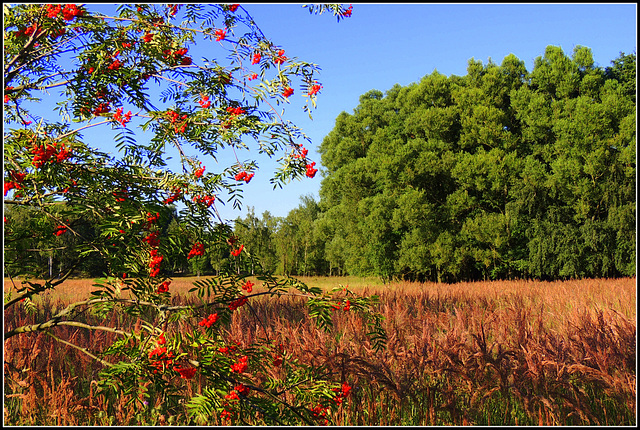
pixel 479 353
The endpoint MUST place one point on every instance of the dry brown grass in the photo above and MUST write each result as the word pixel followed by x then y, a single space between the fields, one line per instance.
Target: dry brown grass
pixel 53 382
pixel 483 353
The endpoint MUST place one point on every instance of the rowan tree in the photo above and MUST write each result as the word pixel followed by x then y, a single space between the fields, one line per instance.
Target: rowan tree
pixel 132 75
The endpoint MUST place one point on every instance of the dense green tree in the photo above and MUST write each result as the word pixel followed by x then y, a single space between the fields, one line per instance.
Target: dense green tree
pixel 501 173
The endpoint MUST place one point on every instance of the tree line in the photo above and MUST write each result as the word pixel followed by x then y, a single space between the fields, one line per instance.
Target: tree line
pixel 273 244
pixel 498 174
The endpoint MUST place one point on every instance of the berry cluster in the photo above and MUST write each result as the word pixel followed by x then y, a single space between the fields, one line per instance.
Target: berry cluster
pixel 280 58
pixel 241 366
pixel 121 195
pixel 177 192
pixel 207 200
pixel 320 411
pixel 238 303
pixel 233 395
pixel 277 357
pixel 151 218
pixel 120 118
pixel 311 171
pixel 232 243
pixel 248 286
pixel 197 249
pixel 179 122
pixel 277 360
pixel 338 306
pixel 68 11
pixel 164 287
pixel 314 89
pixel 7 97
pixel 235 111
pixel 209 321
pixel 17 176
pixel 28 31
pixel 154 241
pixel 205 102
pixel 236 252
pixel 227 349
pixel 220 34
pixel 60 230
pixel 287 91
pixel 341 392
pixel 185 373
pixel 177 57
pixel 154 263
pixel 15 183
pixel 301 153
pixel 173 8
pixel 44 153
pixel 243 176
pixel 242 389
pixel 102 108
pixel 116 64
pixel 160 356
pixel 8 186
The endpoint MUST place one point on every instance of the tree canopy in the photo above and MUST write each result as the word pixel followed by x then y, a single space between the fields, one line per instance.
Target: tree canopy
pixel 501 173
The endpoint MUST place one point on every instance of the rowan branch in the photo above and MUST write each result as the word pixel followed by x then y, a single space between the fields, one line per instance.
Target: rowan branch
pixel 79 348
pixel 54 323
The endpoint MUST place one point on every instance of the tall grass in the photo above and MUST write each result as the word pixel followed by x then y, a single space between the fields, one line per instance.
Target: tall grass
pixel 483 353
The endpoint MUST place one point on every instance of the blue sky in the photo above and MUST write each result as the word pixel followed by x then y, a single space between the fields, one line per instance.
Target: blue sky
pixel 381 45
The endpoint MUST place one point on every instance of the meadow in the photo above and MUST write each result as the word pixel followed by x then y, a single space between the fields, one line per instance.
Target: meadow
pixel 481 353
